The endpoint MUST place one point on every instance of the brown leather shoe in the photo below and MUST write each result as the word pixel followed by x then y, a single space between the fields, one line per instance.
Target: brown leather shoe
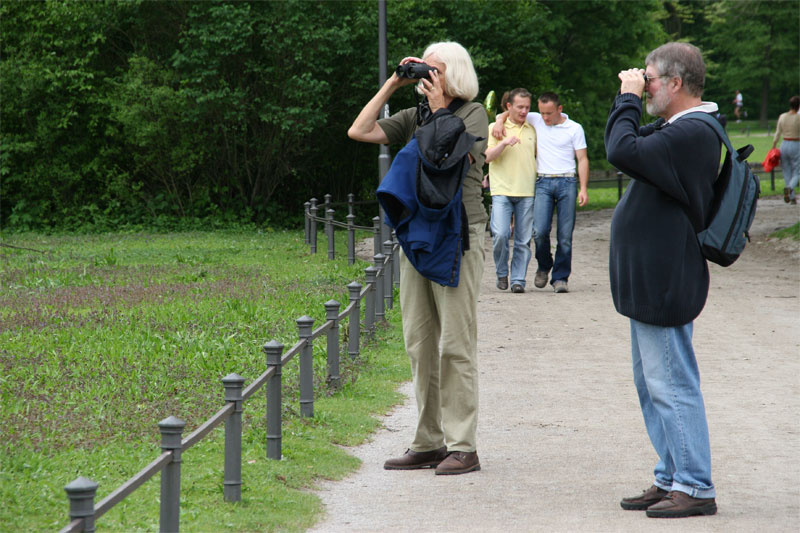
pixel 459 463
pixel 502 283
pixel 679 505
pixel 644 500
pixel 412 460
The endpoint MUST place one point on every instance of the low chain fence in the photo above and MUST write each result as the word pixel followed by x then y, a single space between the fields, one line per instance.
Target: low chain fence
pixel 313 220
pixel 377 294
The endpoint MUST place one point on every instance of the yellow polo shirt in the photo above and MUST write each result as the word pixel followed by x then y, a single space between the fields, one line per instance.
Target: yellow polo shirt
pixel 513 173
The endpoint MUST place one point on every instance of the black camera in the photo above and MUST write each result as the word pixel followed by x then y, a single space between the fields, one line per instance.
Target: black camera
pixel 415 71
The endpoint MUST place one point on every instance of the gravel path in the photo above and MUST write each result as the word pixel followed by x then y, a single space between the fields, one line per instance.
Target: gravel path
pixel 561 437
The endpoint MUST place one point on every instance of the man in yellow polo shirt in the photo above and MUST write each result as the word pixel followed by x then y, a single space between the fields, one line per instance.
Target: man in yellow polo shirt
pixel 512 174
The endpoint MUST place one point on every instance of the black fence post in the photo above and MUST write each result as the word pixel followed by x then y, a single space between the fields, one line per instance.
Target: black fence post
pixel 329 229
pixel 376 235
pixel 380 278
pixel 327 203
pixel 772 179
pixel 351 239
pixel 232 485
pixel 619 186
pixel 274 349
pixel 171 430
pixel 351 200
pixel 369 305
pixel 313 228
pixel 81 492
pixel 354 332
pixel 388 276
pixel 307 212
pixel 304 326
pixel 396 267
pixel 332 313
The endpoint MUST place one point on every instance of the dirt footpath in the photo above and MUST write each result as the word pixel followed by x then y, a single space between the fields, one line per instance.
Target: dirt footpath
pixel 561 437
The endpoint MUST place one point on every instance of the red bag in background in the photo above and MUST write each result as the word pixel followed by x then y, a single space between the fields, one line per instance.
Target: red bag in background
pixel 772 160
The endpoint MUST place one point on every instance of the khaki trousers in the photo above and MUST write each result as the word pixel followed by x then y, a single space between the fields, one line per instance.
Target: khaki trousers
pixel 441 337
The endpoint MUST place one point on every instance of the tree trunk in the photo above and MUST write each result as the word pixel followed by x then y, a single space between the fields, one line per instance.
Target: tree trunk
pixel 762 117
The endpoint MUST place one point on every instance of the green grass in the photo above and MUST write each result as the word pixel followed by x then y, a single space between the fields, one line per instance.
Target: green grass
pixel 103 336
pixel 792 232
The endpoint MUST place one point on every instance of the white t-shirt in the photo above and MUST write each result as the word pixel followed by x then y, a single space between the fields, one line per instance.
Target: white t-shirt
pixel 556 144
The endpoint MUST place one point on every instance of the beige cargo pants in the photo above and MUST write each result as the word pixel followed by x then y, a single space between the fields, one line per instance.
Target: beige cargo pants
pixel 441 337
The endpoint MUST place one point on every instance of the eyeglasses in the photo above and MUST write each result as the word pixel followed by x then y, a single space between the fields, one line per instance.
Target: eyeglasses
pixel 648 79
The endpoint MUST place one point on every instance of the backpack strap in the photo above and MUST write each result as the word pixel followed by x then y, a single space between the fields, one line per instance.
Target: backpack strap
pixel 715 125
pixel 741 154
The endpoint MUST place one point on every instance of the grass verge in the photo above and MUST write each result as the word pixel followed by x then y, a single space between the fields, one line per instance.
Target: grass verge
pixel 103 336
pixel 792 232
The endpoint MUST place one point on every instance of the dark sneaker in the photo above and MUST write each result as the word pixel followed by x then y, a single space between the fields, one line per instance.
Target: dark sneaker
pixel 560 286
pixel 787 192
pixel 644 500
pixel 412 460
pixel 502 283
pixel 459 463
pixel 680 505
pixel 517 288
pixel 541 279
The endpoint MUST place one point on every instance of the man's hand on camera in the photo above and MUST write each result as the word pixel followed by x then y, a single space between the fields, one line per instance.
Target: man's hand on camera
pixel 632 81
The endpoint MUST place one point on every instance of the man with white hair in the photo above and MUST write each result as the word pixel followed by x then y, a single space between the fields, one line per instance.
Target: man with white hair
pixel 659 277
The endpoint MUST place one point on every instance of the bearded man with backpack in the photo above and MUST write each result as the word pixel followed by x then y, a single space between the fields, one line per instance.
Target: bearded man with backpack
pixel 659 274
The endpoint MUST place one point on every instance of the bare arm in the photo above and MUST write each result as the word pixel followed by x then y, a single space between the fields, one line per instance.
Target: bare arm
pixel 495 151
pixel 499 130
pixel 583 176
pixel 365 127
pixel 777 132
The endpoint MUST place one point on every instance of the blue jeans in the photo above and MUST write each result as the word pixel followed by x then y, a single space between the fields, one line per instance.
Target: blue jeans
pixel 502 209
pixel 790 164
pixel 668 382
pixel 560 193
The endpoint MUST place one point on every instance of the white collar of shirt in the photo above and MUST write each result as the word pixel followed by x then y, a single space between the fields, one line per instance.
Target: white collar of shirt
pixel 704 107
pixel 563 123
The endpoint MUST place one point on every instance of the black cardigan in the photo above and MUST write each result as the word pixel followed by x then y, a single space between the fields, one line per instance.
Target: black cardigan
pixel 658 274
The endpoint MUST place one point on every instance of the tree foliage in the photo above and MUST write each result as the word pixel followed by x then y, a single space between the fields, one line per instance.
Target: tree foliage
pixel 152 112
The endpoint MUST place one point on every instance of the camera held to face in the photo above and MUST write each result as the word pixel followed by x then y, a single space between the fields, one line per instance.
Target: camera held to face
pixel 415 71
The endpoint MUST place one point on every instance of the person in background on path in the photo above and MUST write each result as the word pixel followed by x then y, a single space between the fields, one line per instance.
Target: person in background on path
pixel 659 277
pixel 789 127
pixel 559 143
pixel 440 323
pixel 737 103
pixel 512 165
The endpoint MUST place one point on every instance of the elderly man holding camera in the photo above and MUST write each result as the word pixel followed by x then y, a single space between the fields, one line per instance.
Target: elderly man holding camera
pixel 440 322
pixel 659 276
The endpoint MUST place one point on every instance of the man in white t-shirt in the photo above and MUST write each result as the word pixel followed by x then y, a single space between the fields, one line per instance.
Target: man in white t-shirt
pixel 563 176
pixel 738 101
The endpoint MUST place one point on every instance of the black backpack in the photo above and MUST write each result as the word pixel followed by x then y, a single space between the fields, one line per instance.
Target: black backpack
pixel 736 193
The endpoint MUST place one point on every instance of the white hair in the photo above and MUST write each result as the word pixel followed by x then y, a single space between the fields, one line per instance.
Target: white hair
pixel 460 77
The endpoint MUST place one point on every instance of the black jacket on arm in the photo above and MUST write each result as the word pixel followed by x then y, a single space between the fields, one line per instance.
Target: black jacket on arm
pixel 658 273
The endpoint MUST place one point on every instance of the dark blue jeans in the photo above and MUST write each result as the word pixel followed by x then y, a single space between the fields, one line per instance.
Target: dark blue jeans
pixel 561 194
